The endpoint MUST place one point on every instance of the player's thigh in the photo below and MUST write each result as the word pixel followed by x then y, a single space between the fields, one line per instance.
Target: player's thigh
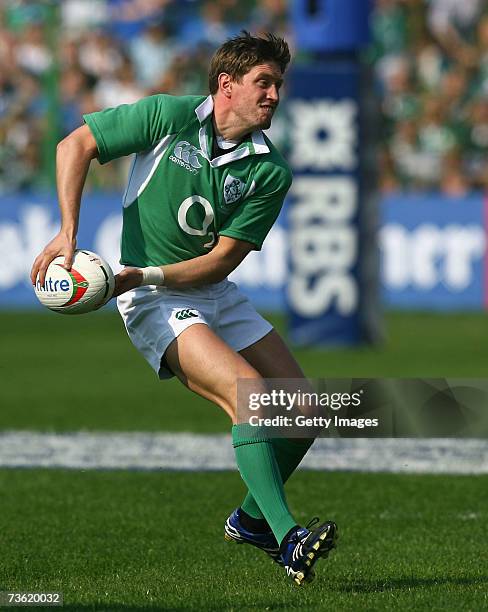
pixel 272 358
pixel 208 366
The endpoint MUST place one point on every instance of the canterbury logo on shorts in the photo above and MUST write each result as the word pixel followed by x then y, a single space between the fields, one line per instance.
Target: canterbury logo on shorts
pixel 185 314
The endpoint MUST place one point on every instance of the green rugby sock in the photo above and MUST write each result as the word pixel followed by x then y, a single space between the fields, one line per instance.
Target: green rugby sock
pixel 259 470
pixel 288 454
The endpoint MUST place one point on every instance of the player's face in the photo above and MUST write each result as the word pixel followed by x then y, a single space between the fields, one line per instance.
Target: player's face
pixel 256 96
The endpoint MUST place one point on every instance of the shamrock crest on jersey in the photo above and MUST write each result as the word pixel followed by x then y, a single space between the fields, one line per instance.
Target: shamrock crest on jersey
pixel 233 189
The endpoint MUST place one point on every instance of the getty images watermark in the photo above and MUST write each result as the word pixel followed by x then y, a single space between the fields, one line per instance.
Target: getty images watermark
pixel 311 405
pixel 383 407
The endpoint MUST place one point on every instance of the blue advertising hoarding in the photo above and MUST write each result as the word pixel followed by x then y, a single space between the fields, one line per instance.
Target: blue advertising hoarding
pixel 29 221
pixel 433 250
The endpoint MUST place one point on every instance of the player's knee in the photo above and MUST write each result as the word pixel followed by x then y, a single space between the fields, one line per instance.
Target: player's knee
pixel 233 397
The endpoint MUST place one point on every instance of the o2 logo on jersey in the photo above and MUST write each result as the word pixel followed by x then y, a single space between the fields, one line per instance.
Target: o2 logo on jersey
pixel 186 156
pixel 207 221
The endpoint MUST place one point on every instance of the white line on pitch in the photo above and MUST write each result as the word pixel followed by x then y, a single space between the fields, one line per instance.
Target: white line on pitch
pixel 185 451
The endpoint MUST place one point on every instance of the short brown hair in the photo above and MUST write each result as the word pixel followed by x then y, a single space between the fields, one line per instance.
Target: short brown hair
pixel 239 54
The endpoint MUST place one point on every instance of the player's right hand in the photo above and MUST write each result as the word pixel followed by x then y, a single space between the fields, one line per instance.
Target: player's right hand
pixel 127 279
pixel 61 244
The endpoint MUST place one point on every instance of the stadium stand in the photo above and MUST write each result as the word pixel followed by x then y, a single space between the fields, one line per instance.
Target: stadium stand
pixel 430 58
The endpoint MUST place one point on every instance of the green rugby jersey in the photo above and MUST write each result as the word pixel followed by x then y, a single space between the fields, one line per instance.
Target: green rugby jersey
pixel 178 200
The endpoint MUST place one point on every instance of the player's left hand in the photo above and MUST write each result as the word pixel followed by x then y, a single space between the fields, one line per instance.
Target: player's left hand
pixel 127 279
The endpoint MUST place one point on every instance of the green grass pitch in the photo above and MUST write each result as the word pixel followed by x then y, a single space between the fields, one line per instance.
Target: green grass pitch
pixel 154 541
pixel 64 373
pixel 117 540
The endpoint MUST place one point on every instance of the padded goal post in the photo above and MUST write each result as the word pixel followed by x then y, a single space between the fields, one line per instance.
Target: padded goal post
pixel 332 290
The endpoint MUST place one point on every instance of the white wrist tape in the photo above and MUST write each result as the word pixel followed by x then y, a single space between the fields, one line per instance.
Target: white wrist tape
pixel 152 275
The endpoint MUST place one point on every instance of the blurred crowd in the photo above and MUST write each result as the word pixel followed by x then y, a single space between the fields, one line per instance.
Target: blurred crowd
pixel 431 64
pixel 103 53
pixel 430 59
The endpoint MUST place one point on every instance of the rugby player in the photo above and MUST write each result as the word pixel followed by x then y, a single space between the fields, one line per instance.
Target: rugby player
pixel 205 187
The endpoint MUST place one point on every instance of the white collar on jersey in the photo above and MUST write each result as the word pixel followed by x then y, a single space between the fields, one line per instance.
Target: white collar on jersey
pixel 259 146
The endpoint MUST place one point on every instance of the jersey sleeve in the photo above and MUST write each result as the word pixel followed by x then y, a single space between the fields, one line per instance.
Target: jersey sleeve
pixel 131 128
pixel 255 216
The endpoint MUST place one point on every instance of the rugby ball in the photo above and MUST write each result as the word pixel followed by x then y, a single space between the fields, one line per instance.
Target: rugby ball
pixel 87 286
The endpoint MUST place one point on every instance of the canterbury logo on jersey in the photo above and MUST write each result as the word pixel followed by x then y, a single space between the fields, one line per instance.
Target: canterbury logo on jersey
pixel 181 315
pixel 186 156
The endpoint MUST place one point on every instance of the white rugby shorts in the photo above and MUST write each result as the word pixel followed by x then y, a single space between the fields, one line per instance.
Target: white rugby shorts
pixel 155 316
